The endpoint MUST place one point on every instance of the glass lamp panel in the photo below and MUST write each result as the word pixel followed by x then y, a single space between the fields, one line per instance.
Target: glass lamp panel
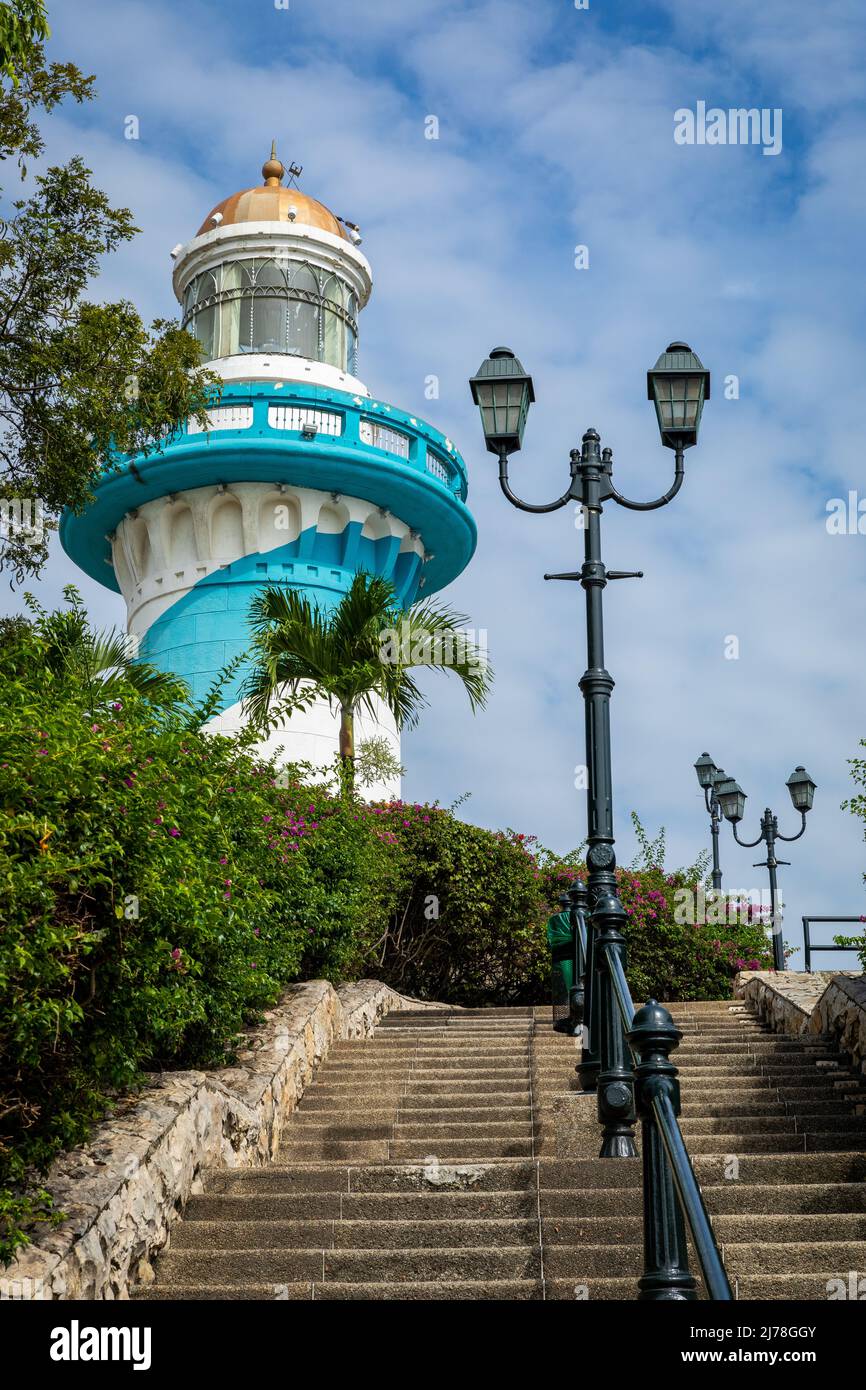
pixel 269 323
pixel 205 286
pixel 203 327
pixel 303 329
pixel 189 296
pixel 230 312
pixel 269 273
pixel 335 327
pixel 351 350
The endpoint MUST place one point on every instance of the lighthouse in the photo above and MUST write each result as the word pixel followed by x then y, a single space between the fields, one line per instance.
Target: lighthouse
pixel 302 477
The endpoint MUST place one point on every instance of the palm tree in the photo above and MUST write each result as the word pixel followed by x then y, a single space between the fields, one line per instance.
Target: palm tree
pixel 99 663
pixel 364 648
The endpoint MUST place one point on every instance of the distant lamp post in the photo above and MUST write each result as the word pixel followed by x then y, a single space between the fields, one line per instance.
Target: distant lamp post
pixel 678 385
pixel 709 777
pixel 732 800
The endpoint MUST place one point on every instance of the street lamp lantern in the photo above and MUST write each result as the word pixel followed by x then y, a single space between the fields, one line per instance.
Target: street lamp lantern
pixel 802 789
pixel 710 779
pixel 678 384
pixel 706 770
pixel 732 800
pixel 503 392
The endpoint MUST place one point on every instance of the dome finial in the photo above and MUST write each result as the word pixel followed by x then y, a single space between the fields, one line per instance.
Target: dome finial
pixel 273 169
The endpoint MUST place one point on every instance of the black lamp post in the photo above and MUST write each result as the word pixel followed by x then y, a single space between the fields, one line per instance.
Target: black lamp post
pixel 678 384
pixel 709 777
pixel 732 800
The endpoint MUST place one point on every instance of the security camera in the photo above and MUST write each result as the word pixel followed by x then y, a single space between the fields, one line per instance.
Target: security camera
pixel 176 250
pixel 217 218
pixel 292 213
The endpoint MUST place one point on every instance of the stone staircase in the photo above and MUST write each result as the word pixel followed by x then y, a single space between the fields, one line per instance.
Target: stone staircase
pixel 423 1163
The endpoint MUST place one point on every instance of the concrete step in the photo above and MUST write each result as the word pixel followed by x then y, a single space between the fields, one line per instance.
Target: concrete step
pixel 733 1198
pixel 220 1266
pixel 490 1233
pixel 309 1129
pixel 422 1205
pixel 739 1123
pixel 500 1102
pixel 471 1062
pixel 455 1090
pixel 791 1257
pixel 797 1229
pixel 422 1292
pixel 405 1150
pixel 505 1176
pixel 426 1114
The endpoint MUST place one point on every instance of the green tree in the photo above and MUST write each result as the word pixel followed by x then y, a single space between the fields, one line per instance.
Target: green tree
pixel 80 382
pixel 23 26
pixel 366 647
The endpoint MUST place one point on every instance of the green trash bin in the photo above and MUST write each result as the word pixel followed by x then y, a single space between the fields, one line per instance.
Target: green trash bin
pixel 565 972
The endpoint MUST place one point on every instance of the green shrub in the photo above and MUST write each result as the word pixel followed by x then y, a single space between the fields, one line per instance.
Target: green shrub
pixel 468 924
pixel 158 889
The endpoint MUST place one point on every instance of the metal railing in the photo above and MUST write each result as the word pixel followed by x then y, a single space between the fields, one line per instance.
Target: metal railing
pixel 809 947
pixel 670 1188
pixel 671 1195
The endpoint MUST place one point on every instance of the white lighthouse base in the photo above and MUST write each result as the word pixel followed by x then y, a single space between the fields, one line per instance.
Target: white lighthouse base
pixel 313 736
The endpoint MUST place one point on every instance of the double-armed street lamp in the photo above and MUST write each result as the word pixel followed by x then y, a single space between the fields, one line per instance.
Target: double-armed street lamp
pixel 709 777
pixel 732 800
pixel 678 385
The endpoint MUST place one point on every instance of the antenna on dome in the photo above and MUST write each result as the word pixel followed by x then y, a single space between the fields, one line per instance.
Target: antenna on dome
pixel 294 172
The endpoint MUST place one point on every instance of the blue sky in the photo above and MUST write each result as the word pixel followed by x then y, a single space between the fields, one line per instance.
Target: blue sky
pixel 556 129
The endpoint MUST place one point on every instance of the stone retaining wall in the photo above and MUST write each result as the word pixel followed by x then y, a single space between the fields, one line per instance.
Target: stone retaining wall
pixel 122 1192
pixel 820 1002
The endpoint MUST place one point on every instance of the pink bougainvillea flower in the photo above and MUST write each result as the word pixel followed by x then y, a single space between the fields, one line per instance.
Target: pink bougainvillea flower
pixel 174 832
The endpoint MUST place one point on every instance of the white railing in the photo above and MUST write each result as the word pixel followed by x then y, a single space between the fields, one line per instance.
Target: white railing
pixel 224 417
pixel 296 417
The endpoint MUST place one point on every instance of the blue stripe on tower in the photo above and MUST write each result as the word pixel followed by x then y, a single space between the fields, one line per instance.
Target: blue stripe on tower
pixel 207 627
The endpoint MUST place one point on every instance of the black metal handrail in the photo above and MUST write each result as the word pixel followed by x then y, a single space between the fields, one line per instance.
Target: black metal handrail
pixel 808 947
pixel 670 1188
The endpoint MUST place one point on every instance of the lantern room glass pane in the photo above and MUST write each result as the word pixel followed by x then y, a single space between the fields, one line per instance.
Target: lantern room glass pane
pixel 269 323
pixel 303 329
pixel 203 327
pixel 230 311
pixel 335 327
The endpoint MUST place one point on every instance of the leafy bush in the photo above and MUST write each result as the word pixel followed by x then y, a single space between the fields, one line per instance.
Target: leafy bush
pixel 468 925
pixel 158 888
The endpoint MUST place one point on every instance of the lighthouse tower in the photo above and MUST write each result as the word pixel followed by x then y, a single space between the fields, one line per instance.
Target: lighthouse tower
pixel 302 477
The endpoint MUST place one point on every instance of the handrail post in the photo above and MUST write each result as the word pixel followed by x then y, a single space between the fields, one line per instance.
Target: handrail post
pixel 616 1109
pixel 666 1275
pixel 807 945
